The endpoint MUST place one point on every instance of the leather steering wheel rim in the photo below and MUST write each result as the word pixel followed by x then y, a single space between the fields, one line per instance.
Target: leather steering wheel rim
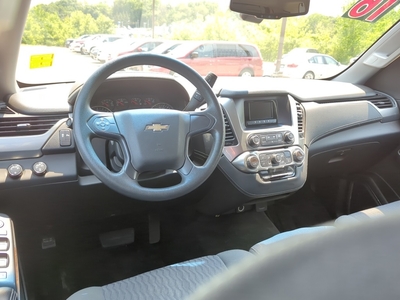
pixel 149 138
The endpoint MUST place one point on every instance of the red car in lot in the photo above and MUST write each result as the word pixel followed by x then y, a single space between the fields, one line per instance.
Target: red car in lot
pixel 221 58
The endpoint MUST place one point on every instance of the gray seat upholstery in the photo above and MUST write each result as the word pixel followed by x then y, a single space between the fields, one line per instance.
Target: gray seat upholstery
pixel 305 233
pixel 174 282
pixel 180 280
pixel 368 214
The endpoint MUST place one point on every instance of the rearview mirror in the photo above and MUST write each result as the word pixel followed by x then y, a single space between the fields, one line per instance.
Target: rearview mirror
pixel 271 9
pixel 250 18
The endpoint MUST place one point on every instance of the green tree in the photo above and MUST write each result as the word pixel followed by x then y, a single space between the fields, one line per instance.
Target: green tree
pixel 128 12
pixel 104 24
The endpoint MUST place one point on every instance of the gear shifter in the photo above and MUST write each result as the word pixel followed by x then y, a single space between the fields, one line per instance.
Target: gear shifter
pixel 197 99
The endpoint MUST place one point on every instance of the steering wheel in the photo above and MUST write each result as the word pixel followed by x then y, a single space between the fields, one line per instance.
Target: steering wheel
pixel 150 139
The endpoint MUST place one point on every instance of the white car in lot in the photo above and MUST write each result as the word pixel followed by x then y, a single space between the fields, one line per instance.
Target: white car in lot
pixel 98 41
pixel 310 66
pixel 106 52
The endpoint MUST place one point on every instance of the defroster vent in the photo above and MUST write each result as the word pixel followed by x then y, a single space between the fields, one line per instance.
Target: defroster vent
pixel 27 125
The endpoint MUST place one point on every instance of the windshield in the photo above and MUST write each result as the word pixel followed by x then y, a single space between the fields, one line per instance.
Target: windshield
pixel 67 40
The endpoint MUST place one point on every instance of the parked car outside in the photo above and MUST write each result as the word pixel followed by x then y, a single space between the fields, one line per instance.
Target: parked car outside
pixel 145 45
pixel 97 41
pixel 222 58
pixel 166 47
pixel 77 44
pixel 310 66
pixel 70 40
pixel 106 51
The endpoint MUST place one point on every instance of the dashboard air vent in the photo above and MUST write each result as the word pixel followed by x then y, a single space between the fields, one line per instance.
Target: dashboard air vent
pixel 6 111
pixel 230 138
pixel 300 119
pixel 380 101
pixel 27 125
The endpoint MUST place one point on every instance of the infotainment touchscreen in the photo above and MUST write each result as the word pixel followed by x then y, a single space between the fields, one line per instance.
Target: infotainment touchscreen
pixel 260 112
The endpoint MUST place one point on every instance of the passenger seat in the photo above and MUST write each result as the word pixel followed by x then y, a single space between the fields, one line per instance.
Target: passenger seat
pixel 178 281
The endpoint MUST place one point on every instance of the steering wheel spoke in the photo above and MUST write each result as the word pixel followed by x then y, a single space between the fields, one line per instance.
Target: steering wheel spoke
pixel 201 122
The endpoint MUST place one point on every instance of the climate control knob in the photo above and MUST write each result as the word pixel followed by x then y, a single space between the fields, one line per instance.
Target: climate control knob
pixel 298 155
pixel 252 161
pixel 288 137
pixel 255 140
pixel 277 158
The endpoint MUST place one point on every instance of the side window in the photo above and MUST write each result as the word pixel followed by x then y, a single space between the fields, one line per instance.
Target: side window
pixel 330 61
pixel 247 51
pixel 205 50
pixel 319 60
pixel 226 50
pixel 146 47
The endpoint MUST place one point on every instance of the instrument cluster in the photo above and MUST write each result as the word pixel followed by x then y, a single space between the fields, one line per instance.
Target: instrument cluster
pixel 125 103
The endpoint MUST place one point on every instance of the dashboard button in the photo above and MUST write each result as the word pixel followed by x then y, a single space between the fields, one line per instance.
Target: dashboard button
pixel 65 137
pixel 252 161
pixel 39 168
pixel 3 261
pixel 298 155
pixel 255 141
pixel 289 137
pixel 4 244
pixel 276 158
pixel 15 170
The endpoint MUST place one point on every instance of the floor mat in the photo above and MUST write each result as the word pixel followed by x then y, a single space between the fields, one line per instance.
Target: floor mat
pixel 79 261
pixel 302 209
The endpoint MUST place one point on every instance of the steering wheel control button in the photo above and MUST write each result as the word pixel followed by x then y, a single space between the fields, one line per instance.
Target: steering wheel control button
pixel 252 161
pixel 104 124
pixel 3 275
pixel 1 224
pixel 15 171
pixel 39 168
pixel 65 137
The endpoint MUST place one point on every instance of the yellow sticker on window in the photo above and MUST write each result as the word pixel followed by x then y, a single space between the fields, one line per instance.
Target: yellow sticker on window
pixel 41 61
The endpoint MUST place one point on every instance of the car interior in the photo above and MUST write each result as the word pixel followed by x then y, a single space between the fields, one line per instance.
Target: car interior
pixel 223 188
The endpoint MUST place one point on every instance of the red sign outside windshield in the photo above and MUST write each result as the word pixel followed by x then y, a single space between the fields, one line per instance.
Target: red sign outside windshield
pixel 370 10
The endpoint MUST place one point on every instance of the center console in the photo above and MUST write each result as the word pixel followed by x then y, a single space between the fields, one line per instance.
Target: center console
pixel 269 158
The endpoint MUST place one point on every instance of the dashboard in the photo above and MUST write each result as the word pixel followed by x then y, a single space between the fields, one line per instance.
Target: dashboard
pixel 277 134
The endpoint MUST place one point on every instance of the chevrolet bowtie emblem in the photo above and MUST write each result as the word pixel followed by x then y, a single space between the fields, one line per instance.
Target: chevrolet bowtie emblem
pixel 157 127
